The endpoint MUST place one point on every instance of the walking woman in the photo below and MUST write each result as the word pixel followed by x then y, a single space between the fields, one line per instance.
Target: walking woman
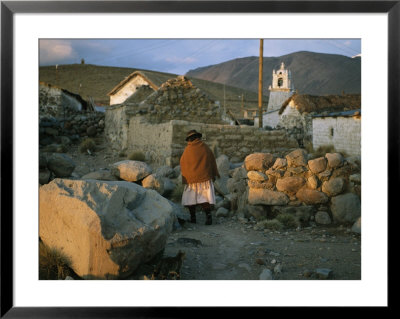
pixel 199 170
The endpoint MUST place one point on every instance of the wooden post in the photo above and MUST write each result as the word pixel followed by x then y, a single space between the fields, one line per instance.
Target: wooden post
pixel 260 80
pixel 243 104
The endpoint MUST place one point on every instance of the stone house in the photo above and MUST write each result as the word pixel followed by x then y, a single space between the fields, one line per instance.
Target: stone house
pixel 296 113
pixel 56 101
pixel 339 129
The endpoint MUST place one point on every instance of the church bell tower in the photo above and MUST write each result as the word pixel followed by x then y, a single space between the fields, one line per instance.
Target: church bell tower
pixel 281 89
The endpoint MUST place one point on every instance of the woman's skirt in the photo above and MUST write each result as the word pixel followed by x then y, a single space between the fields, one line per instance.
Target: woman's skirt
pixel 198 193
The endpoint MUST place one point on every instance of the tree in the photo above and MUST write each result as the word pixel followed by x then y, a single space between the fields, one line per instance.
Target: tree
pixel 82 61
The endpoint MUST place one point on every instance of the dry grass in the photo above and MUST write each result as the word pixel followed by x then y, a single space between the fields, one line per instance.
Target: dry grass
pixel 271 224
pixel 322 150
pixel 88 144
pixel 288 220
pixel 53 265
pixel 137 156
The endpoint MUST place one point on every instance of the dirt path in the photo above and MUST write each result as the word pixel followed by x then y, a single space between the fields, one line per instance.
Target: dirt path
pixel 231 249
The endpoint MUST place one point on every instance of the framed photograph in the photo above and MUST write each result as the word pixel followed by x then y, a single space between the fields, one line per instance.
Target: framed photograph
pixel 25 28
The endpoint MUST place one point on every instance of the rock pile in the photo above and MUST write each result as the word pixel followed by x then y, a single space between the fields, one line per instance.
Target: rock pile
pixel 323 189
pixel 54 165
pixel 178 99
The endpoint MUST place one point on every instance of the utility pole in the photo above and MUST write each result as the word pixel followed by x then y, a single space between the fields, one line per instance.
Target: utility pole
pixel 243 104
pixel 260 80
pixel 224 99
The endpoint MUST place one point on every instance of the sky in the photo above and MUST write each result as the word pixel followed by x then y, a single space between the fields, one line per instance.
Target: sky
pixel 178 56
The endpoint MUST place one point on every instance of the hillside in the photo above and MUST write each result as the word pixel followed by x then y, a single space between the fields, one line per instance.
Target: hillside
pixel 312 73
pixel 96 81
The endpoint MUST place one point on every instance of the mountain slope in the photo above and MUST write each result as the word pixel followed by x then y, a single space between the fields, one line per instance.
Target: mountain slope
pixel 312 73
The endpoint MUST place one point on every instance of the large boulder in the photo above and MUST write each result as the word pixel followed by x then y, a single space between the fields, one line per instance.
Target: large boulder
pixel 257 176
pixel 44 176
pixel 345 208
pixel 223 165
pixel 322 218
pixel 280 163
pixel 61 165
pixel 131 171
pixel 221 185
pixel 166 171
pixel 317 165
pixel 334 159
pixel 261 196
pixel 356 228
pixel 106 229
pixel 290 184
pixel 102 175
pixel 297 158
pixel 334 186
pixel 258 161
pixel 155 182
pixel 239 173
pixel 311 196
pixel 236 186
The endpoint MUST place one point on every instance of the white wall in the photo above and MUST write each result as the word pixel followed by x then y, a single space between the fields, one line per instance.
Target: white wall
pixel 346 134
pixel 127 90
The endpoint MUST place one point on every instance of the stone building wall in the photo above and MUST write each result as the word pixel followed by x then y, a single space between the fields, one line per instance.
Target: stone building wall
pixel 344 133
pixel 276 99
pixel 164 143
pixel 299 125
pixel 117 125
pixel 154 140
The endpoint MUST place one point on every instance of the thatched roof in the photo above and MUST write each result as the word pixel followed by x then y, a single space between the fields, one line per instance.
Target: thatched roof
pixel 310 103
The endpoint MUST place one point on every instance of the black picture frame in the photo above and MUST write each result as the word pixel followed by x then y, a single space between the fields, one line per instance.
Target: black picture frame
pixel 9 8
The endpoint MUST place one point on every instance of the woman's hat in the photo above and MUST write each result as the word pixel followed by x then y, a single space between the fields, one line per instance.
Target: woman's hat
pixel 193 133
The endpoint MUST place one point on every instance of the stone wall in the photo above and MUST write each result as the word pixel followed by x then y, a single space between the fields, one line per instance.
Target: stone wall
pixel 56 133
pixel 154 140
pixel 325 189
pixel 54 101
pixel 117 124
pixel 344 133
pixel 164 143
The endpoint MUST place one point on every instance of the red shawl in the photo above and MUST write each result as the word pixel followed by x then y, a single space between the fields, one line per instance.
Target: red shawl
pixel 198 163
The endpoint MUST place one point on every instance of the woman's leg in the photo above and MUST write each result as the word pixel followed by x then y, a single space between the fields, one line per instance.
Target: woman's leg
pixel 192 210
pixel 207 209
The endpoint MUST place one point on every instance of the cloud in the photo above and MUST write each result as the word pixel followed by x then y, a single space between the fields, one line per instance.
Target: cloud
pixel 56 52
pixel 175 59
